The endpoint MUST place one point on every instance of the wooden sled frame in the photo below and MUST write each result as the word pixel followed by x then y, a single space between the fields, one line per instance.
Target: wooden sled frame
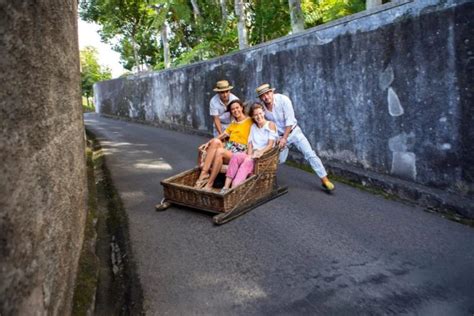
pixel 256 190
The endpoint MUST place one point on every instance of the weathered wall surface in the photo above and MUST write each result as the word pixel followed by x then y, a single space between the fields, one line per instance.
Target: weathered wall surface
pixel 42 170
pixel 386 92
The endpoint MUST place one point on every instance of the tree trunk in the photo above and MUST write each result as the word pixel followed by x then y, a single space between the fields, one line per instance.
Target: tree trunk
pixel 224 11
pixel 196 11
pixel 135 54
pixel 296 15
pixel 242 30
pixel 369 4
pixel 166 46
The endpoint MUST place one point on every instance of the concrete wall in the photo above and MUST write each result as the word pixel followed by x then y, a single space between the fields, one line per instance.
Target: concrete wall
pixel 387 92
pixel 42 169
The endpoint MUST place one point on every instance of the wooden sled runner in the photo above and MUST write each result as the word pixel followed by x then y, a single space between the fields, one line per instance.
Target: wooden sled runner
pixel 259 188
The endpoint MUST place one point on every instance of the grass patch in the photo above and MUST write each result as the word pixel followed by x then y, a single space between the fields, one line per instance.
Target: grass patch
pixel 451 216
pixel 376 191
pixel 87 107
pixel 344 180
pixel 88 270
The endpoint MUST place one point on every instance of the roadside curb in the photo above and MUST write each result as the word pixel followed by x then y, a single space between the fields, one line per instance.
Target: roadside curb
pixel 114 288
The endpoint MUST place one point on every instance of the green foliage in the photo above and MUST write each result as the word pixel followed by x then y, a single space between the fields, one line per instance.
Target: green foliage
pixel 270 19
pixel 317 12
pixel 87 106
pixel 91 71
pixel 134 26
pixel 127 21
pixel 199 39
pixel 147 50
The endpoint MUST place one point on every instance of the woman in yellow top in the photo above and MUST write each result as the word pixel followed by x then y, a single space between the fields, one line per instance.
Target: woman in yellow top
pixel 219 152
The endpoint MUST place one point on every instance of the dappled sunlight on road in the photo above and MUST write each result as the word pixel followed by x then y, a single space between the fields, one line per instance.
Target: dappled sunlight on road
pixel 132 195
pixel 114 144
pixel 241 292
pixel 142 151
pixel 307 253
pixel 159 165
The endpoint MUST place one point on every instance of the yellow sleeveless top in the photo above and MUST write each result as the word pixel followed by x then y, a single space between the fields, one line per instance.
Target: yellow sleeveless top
pixel 239 131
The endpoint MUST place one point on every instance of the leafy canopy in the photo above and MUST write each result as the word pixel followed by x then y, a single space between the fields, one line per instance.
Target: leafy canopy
pixel 91 71
pixel 134 26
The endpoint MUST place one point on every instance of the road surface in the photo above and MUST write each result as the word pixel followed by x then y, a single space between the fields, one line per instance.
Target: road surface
pixel 304 253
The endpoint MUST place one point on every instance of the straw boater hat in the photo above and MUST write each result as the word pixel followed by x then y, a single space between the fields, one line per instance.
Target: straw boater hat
pixel 264 88
pixel 222 85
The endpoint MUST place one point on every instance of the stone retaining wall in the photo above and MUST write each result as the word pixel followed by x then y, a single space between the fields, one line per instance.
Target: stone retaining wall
pixel 42 154
pixel 387 92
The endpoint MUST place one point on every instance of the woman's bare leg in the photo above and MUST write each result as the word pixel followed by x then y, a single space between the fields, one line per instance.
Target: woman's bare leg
pixel 222 155
pixel 228 182
pixel 214 145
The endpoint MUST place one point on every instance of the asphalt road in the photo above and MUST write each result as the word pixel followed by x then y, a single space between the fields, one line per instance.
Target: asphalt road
pixel 304 253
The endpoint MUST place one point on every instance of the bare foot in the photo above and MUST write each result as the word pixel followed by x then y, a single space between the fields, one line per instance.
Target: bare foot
pixel 201 181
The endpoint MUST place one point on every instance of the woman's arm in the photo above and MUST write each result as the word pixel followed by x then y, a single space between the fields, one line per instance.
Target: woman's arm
pixel 270 144
pixel 249 149
pixel 226 133
pixel 260 152
pixel 222 136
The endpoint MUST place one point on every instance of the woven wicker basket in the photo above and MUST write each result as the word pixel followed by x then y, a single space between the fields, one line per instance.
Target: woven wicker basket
pixel 179 188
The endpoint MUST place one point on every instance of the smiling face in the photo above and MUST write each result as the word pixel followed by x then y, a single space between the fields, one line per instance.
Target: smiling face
pixel 267 97
pixel 236 110
pixel 258 116
pixel 224 96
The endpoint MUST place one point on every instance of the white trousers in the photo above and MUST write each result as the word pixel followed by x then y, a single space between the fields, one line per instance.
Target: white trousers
pixel 300 141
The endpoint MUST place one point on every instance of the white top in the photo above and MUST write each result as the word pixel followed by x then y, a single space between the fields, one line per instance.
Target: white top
pixel 259 137
pixel 217 107
pixel 282 113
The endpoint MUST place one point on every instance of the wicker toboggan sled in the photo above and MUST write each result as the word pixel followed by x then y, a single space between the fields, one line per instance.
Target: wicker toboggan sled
pixel 256 190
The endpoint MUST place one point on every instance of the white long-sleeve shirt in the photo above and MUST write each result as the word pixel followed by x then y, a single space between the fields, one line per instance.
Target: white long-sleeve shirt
pixel 282 113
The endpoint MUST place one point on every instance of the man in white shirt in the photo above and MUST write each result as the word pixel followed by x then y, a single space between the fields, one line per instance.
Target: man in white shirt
pixel 218 106
pixel 279 109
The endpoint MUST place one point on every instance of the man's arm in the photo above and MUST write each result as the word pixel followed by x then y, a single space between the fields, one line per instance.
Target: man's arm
pixel 290 119
pixel 217 123
pixel 284 138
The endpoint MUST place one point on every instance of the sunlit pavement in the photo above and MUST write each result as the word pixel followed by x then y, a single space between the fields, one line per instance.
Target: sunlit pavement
pixel 306 252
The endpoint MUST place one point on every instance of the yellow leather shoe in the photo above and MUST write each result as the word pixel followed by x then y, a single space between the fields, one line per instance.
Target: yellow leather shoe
pixel 327 184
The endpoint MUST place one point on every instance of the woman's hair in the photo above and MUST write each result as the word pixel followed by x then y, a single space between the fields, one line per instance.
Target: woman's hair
pixel 254 107
pixel 236 101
